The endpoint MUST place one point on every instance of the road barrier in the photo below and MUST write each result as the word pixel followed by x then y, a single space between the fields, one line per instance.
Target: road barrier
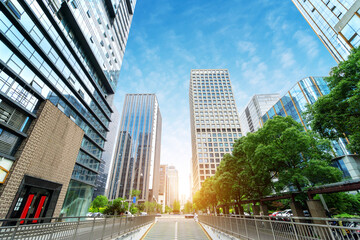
pixel 294 228
pixel 71 228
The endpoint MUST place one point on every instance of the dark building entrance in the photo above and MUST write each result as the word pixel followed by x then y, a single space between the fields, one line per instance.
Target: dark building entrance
pixel 36 198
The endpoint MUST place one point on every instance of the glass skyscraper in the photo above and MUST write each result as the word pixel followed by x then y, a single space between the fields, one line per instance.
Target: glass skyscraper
pixel 337 23
pixel 137 155
pixel 254 110
pixel 68 52
pixel 214 121
pixel 293 103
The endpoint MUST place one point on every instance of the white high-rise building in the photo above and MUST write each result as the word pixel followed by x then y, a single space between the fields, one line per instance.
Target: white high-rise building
pixel 215 121
pixel 254 110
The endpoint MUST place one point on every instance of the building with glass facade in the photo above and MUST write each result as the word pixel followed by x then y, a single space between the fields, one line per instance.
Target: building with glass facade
pixel 336 23
pixel 293 104
pixel 214 119
pixel 70 53
pixel 108 154
pixel 137 156
pixel 254 110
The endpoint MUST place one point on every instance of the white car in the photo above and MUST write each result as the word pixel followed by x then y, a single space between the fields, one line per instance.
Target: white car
pixel 143 214
pixel 128 214
pixel 285 214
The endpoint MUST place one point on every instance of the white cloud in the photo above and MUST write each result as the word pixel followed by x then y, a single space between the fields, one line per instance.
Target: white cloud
pixel 308 43
pixel 287 58
pixel 246 46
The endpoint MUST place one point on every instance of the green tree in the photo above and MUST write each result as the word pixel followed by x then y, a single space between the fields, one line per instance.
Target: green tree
pixel 135 193
pixel 340 203
pixel 188 207
pixel 199 201
pixel 117 206
pixel 229 183
pixel 338 112
pixel 255 170
pixel 176 206
pixel 297 157
pixel 168 209
pixel 150 207
pixel 99 202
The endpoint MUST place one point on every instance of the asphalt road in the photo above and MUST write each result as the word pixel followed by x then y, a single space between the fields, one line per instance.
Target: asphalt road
pixel 176 227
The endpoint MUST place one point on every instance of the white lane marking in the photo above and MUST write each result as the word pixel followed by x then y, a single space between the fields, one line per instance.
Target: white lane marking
pixel 176 230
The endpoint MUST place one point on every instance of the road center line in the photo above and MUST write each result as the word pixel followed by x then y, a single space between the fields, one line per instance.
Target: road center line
pixel 176 230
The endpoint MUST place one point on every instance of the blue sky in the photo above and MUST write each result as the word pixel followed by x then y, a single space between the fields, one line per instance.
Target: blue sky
pixel 266 45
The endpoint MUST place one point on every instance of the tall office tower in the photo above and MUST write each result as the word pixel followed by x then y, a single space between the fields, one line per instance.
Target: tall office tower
pixel 254 110
pixel 172 186
pixel 108 154
pixel 65 55
pixel 162 186
pixel 214 121
pixel 293 104
pixel 137 158
pixel 336 23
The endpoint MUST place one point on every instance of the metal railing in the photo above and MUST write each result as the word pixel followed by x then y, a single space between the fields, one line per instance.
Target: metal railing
pixel 264 228
pixel 71 228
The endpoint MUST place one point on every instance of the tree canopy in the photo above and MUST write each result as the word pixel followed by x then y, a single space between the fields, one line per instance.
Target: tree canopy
pixel 99 202
pixel 117 206
pixel 280 156
pixel 176 206
pixel 338 112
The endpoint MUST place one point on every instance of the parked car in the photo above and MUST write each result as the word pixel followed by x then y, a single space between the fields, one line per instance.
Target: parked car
pixel 189 216
pixel 273 215
pixel 284 215
pixel 89 214
pixel 306 213
pixel 128 214
pixel 143 214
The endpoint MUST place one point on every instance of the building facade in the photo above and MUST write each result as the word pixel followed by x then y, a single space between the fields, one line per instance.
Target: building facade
pixel 293 104
pixel 214 119
pixel 162 186
pixel 136 162
pixel 335 22
pixel 172 186
pixel 69 52
pixel 108 154
pixel 254 110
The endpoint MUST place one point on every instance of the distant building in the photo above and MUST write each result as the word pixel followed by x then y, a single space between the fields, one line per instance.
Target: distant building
pixel 162 186
pixel 336 23
pixel 136 161
pixel 293 103
pixel 172 186
pixel 254 110
pixel 214 121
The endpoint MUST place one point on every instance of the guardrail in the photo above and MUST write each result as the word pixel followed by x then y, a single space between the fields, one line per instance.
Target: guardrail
pixel 71 228
pixel 264 228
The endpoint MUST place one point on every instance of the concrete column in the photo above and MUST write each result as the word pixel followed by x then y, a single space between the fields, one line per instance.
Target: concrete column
pixel 297 210
pixel 316 210
pixel 256 209
pixel 264 209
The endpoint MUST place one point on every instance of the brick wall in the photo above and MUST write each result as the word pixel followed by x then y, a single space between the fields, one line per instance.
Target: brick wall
pixel 49 153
